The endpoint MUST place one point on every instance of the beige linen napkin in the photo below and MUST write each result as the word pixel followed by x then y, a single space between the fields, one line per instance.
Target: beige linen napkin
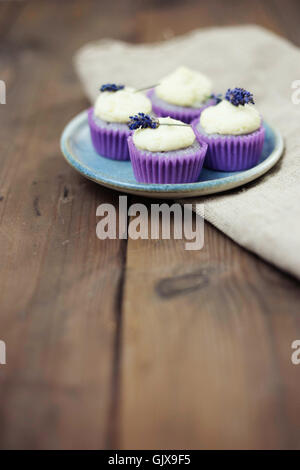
pixel 264 216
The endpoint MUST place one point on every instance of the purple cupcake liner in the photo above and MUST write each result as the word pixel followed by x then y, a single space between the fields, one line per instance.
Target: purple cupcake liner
pixel 231 152
pixel 109 141
pixel 179 166
pixel 163 109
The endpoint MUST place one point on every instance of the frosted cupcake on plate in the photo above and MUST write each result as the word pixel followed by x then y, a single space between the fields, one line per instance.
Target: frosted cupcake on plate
pixel 164 150
pixel 233 131
pixel 109 117
pixel 182 95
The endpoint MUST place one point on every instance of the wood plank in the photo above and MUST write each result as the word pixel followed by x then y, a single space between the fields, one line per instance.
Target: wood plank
pixel 206 348
pixel 207 335
pixel 156 24
pixel 60 284
pixel 286 16
pixel 8 14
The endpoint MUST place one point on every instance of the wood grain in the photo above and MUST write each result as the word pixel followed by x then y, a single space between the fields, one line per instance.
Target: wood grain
pixel 115 344
pixel 60 284
pixel 177 18
pixel 207 335
pixel 206 349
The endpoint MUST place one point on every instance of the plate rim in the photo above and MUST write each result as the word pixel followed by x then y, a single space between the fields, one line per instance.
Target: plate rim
pixel 171 190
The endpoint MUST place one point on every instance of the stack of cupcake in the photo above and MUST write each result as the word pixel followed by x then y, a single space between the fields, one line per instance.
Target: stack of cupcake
pixel 180 125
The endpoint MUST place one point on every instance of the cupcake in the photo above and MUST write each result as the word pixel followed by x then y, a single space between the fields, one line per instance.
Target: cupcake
pixel 233 131
pixel 182 95
pixel 109 117
pixel 164 150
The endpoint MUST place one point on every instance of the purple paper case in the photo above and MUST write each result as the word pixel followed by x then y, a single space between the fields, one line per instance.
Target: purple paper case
pixel 163 109
pixel 231 152
pixel 178 166
pixel 109 138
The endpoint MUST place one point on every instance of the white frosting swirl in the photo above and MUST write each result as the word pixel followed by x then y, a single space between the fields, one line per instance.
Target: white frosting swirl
pixel 184 87
pixel 164 138
pixel 119 105
pixel 225 118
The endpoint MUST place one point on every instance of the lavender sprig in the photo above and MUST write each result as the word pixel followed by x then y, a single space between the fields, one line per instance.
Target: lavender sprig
pixel 111 87
pixel 217 97
pixel 142 121
pixel 239 96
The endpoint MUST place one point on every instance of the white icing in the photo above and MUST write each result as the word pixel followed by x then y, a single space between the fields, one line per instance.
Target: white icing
pixel 225 118
pixel 184 87
pixel 119 105
pixel 164 138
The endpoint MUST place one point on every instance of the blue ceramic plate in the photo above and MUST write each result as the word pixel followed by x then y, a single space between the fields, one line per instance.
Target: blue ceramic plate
pixel 78 150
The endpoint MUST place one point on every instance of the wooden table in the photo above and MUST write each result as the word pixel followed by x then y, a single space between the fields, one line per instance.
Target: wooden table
pixel 116 343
